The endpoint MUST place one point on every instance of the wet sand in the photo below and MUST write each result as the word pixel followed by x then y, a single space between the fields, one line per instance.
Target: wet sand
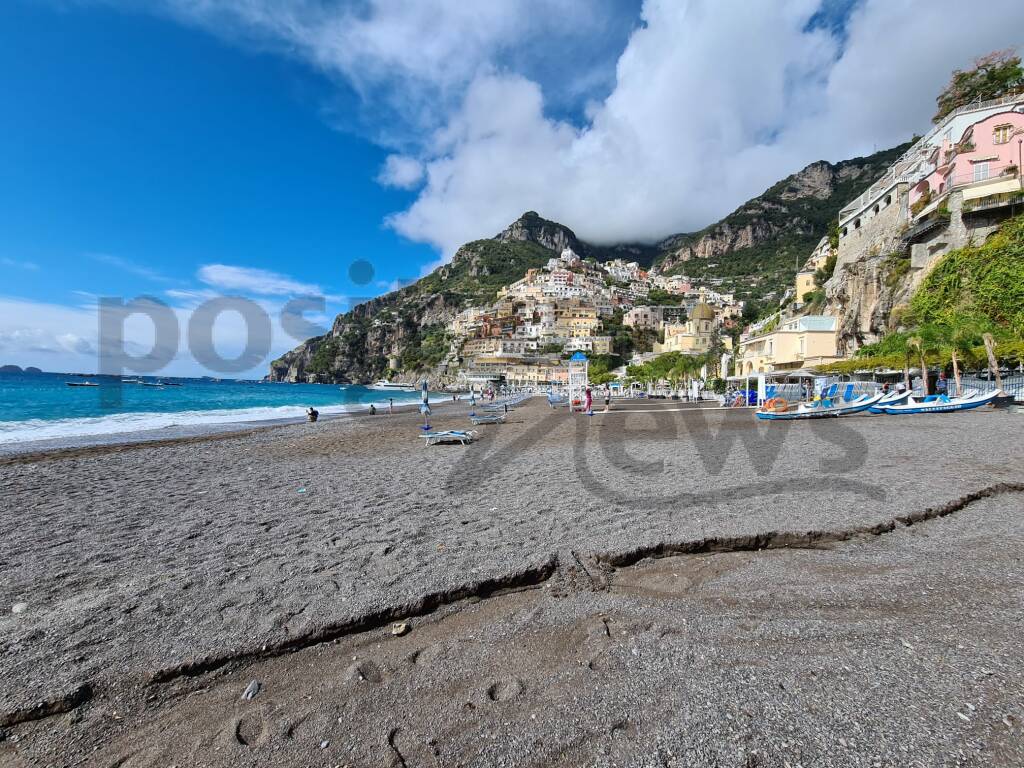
pixel 625 589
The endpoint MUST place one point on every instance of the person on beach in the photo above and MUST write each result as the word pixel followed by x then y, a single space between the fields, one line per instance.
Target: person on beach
pixel 607 399
pixel 472 397
pixel 312 414
pixel 373 409
pixel 391 406
pixel 588 403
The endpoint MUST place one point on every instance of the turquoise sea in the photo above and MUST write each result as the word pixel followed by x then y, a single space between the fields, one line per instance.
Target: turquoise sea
pixel 40 406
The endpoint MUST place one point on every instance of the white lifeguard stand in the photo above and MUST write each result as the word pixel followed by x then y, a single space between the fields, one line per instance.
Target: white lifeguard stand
pixel 578 365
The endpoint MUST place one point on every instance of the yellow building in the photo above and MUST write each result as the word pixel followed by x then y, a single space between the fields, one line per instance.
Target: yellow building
pixel 802 341
pixel 804 285
pixel 693 337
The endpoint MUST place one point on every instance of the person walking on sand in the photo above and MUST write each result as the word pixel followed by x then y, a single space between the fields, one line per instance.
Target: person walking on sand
pixel 607 399
pixel 391 406
pixel 589 402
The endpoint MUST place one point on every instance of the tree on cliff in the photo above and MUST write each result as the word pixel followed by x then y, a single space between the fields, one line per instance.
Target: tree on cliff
pixel 996 74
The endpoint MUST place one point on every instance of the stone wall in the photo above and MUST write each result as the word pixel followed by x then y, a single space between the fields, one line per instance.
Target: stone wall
pixel 875 232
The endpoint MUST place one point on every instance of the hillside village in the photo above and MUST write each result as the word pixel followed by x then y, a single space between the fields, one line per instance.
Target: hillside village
pixel 571 305
pixel 511 310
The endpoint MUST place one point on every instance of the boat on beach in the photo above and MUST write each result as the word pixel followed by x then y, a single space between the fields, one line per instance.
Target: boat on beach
pixel 779 410
pixel 943 403
pixel 890 398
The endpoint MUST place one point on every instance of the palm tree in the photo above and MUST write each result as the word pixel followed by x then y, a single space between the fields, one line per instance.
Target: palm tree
pixel 917 344
pixel 993 365
pixel 961 337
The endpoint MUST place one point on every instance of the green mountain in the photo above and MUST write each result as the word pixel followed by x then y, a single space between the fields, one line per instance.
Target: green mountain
pixel 756 250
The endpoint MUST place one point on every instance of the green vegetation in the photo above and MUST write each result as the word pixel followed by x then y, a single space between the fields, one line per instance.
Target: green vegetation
pixel 599 370
pixel 325 355
pixel 985 282
pixel 824 273
pixel 662 298
pixel 895 267
pixel 972 293
pixel 996 74
pixel 481 268
pixel 674 367
pixel 795 222
pixel 552 349
pixel 427 347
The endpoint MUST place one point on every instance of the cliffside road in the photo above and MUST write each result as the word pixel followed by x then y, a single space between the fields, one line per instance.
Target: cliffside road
pixel 821 594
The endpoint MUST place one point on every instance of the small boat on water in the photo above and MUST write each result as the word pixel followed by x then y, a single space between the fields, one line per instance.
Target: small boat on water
pixel 943 403
pixel 392 386
pixel 81 384
pixel 153 384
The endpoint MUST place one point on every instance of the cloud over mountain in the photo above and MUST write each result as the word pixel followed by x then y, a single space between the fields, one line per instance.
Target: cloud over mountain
pixel 711 102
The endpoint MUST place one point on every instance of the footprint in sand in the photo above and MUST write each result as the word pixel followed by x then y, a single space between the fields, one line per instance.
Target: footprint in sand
pixel 363 672
pixel 505 690
pixel 251 730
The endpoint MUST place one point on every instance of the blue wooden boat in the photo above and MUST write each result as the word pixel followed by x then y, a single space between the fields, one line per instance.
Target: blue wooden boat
pixel 942 403
pixel 828 407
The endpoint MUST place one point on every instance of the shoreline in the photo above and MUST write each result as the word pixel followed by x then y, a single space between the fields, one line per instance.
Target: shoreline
pixel 610 550
pixel 182 433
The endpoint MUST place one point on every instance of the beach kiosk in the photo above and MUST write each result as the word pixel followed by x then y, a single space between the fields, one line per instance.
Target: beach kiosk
pixel 578 365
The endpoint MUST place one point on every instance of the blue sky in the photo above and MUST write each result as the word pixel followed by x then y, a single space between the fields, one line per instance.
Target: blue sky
pixel 188 148
pixel 136 150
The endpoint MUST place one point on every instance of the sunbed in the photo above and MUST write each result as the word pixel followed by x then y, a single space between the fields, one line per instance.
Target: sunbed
pixel 449 436
pixel 487 418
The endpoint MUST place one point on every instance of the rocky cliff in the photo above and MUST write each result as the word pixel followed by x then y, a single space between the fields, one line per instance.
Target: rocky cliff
pixel 755 250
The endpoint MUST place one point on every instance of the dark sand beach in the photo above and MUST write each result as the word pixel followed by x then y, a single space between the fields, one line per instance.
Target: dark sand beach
pixel 661 586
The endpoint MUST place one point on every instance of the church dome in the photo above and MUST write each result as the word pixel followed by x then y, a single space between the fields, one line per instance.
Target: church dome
pixel 702 311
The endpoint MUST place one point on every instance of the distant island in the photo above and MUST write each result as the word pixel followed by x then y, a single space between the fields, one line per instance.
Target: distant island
pixel 19 369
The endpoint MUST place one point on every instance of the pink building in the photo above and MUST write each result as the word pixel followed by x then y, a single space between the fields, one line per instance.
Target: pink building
pixel 988 154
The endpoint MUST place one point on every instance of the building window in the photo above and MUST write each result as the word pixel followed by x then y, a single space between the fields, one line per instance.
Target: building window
pixel 856 223
pixel 888 199
pixel 1002 133
pixel 876 208
pixel 980 171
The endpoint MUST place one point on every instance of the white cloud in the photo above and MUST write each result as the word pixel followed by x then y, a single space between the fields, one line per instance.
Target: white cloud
pixel 713 104
pixel 712 101
pixel 407 59
pixel 260 282
pixel 401 171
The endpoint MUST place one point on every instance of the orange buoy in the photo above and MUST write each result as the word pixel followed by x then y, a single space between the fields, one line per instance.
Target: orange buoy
pixel 780 404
